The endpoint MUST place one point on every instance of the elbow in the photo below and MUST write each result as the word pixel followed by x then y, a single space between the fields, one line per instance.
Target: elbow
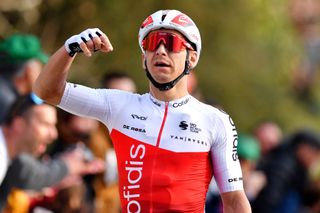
pixel 49 96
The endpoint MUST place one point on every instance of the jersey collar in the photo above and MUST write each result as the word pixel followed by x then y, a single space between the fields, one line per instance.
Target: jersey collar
pixel 174 103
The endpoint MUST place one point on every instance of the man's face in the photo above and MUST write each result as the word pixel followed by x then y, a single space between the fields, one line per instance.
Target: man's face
pixel 34 69
pixel 307 155
pixel 38 129
pixel 77 129
pixel 24 81
pixel 165 65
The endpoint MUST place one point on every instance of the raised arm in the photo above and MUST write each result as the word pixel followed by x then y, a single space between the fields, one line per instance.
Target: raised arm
pixel 51 82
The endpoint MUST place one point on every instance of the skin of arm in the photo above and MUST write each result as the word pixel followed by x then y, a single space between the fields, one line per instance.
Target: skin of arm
pixel 51 82
pixel 234 202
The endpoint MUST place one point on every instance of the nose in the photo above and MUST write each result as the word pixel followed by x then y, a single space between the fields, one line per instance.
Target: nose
pixel 161 50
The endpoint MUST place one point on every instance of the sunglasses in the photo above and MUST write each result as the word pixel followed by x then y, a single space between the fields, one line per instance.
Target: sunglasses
pixel 172 42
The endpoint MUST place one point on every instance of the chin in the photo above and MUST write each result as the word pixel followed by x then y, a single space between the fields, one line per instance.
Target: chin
pixel 162 80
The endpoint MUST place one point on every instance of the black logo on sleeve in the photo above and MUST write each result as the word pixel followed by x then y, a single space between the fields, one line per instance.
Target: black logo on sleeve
pixel 235 141
pixel 230 180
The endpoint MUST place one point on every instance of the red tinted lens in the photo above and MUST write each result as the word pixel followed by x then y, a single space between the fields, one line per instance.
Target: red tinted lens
pixel 172 42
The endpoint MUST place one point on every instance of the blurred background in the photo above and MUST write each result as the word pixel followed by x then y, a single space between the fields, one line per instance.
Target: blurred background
pixel 251 50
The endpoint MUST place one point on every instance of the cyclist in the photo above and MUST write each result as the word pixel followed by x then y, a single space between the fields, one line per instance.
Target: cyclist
pixel 168 144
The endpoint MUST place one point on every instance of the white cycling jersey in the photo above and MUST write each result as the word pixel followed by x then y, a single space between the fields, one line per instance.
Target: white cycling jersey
pixel 166 151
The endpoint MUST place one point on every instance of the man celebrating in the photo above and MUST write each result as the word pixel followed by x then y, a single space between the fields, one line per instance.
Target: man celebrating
pixel 168 144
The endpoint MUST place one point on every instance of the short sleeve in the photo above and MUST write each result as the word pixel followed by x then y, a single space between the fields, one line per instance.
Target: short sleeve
pixel 226 167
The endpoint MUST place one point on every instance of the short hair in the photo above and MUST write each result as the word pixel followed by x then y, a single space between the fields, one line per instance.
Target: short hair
pixel 22 106
pixel 113 75
pixel 305 137
pixel 9 71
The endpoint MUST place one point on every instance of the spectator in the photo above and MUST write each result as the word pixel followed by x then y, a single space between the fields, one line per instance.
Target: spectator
pixel 21 60
pixel 106 185
pixel 253 181
pixel 21 130
pixel 249 154
pixel 193 87
pixel 74 130
pixel 269 135
pixel 28 129
pixel 117 79
pixel 287 173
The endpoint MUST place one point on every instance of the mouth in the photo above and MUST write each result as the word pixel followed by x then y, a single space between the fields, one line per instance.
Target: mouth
pixel 161 64
pixel 42 148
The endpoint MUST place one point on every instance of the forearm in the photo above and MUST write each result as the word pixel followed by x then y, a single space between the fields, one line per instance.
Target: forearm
pixel 234 202
pixel 51 82
pixel 46 175
pixel 27 172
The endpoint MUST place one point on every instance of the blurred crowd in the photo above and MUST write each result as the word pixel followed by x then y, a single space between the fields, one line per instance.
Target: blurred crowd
pixel 281 173
pixel 53 161
pixel 305 18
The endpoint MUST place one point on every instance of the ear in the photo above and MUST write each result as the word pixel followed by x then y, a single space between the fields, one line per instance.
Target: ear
pixel 18 124
pixel 143 58
pixel 20 77
pixel 192 58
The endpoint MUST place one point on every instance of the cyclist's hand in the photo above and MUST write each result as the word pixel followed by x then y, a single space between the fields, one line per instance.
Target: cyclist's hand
pixel 88 41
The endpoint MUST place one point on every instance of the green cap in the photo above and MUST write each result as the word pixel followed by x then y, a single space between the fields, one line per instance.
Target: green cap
pixel 248 147
pixel 19 48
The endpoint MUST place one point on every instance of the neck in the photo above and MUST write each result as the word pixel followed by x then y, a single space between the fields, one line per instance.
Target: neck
pixel 178 91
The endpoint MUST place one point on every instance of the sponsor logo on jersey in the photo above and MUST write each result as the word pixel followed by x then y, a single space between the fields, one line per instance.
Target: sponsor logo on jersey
pixel 192 127
pixel 132 128
pixel 143 118
pixel 234 141
pixel 155 102
pixel 134 171
pixel 183 125
pixel 230 180
pixel 188 139
pixel 179 104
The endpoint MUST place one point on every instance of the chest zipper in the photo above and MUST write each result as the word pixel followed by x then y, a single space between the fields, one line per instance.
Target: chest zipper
pixel 157 145
pixel 162 124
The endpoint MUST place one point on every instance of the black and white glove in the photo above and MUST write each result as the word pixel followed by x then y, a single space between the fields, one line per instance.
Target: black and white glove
pixel 72 45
